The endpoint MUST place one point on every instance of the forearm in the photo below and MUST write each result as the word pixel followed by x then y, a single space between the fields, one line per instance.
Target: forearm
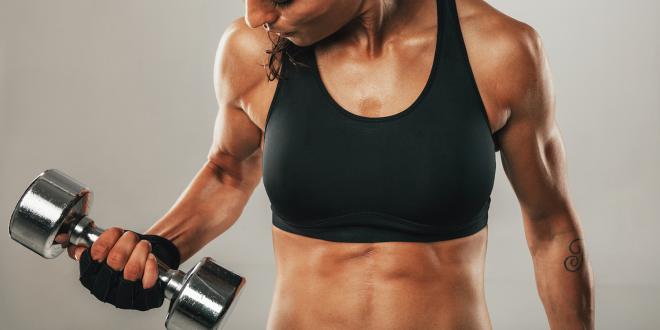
pixel 564 281
pixel 210 204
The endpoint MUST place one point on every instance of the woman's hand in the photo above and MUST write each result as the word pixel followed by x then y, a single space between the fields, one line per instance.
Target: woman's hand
pixel 120 267
pixel 124 252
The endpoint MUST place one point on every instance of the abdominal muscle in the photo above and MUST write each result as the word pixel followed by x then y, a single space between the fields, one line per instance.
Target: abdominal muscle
pixel 388 285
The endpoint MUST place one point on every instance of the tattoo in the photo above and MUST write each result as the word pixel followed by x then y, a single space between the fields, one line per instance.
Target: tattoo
pixel 573 263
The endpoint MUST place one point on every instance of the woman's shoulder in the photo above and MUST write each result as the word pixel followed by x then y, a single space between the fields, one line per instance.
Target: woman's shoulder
pixel 500 45
pixel 487 24
pixel 240 60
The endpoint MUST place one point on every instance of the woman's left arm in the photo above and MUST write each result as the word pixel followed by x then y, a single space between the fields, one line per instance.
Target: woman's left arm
pixel 533 159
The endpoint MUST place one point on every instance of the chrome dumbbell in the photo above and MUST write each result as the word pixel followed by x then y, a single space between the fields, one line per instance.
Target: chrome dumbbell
pixel 55 203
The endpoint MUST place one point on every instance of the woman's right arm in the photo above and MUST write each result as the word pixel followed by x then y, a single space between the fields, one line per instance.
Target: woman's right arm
pixel 218 193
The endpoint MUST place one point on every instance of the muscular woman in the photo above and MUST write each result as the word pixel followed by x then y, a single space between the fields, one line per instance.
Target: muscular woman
pixel 375 129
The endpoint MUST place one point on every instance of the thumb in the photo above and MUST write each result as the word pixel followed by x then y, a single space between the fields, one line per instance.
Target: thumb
pixel 75 251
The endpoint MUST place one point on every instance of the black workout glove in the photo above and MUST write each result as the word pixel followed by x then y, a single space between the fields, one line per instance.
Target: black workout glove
pixel 109 285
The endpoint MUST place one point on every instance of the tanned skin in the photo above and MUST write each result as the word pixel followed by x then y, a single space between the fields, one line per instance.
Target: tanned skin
pixel 374 57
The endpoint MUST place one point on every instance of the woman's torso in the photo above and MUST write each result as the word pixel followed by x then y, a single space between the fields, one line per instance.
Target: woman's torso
pixel 385 285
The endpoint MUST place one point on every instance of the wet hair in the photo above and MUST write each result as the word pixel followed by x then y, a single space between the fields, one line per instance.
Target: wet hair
pixel 286 51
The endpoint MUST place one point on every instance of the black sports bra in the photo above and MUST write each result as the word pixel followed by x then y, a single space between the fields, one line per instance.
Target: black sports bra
pixel 421 175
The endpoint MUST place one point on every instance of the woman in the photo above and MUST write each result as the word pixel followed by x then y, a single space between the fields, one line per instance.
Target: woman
pixel 383 118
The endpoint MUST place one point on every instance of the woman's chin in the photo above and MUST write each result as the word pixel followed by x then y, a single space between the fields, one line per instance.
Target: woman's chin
pixel 300 42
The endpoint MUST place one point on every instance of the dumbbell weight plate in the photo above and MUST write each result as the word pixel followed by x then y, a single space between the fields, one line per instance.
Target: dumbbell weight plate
pixel 53 200
pixel 215 286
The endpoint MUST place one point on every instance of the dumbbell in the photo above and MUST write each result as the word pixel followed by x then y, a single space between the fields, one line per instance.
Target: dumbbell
pixel 55 203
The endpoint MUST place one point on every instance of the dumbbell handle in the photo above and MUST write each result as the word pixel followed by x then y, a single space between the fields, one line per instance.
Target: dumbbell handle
pixel 85 233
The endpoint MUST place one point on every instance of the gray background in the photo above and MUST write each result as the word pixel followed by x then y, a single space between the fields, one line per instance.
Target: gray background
pixel 119 95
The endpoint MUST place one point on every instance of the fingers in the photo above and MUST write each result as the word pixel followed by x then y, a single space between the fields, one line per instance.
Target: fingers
pixel 150 272
pixel 136 262
pixel 75 251
pixel 62 238
pixel 106 241
pixel 70 250
pixel 118 255
pixel 123 251
pixel 98 251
